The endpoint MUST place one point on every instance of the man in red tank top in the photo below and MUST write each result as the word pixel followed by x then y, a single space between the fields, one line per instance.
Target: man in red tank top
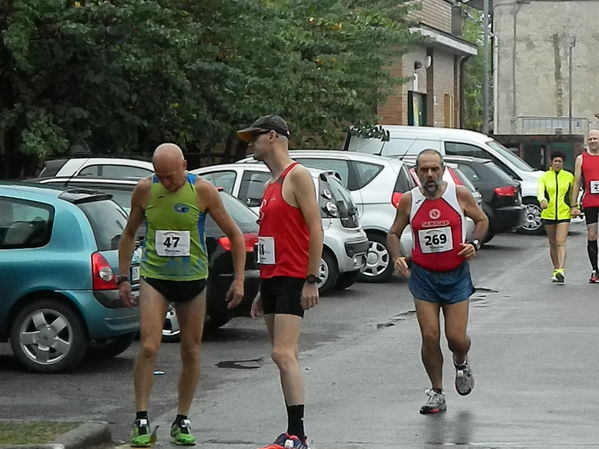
pixel 439 278
pixel 289 252
pixel 586 173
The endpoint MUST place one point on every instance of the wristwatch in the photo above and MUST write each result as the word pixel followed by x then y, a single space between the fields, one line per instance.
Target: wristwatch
pixel 120 279
pixel 312 279
pixel 475 243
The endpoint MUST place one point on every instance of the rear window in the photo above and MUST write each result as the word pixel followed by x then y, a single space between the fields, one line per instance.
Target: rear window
pixel 404 182
pixel 24 224
pixel 115 172
pixel 51 168
pixel 107 221
pixel 243 216
pixel 338 165
pixel 344 202
pixel 365 172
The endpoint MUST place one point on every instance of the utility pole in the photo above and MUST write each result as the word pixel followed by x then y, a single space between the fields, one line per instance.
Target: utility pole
pixel 486 67
pixel 572 45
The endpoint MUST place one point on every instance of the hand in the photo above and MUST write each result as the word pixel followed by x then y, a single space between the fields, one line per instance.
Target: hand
pixel 126 296
pixel 309 296
pixel 401 266
pixel 257 309
pixel 468 251
pixel 235 294
pixel 543 204
pixel 574 211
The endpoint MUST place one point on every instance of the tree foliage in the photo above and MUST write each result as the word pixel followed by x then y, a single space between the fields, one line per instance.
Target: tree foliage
pixel 120 76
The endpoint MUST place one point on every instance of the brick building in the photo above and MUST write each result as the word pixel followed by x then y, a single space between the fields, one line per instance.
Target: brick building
pixel 433 97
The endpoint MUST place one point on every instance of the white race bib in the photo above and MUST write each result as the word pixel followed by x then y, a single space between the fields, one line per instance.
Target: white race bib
pixel 266 250
pixel 172 243
pixel 594 187
pixel 438 240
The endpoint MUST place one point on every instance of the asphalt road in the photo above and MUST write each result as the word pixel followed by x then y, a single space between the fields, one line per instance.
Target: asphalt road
pixel 533 354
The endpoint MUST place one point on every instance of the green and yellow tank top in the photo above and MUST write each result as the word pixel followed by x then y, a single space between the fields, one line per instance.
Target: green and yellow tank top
pixel 175 244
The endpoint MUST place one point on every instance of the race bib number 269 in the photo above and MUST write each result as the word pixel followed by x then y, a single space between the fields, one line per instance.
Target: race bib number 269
pixel 438 240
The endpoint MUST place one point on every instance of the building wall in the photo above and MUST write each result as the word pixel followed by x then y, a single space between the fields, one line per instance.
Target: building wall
pixel 440 82
pixel 533 68
pixel 435 13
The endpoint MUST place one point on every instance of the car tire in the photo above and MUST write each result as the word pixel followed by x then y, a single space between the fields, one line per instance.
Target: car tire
pixel 171 333
pixel 106 349
pixel 46 348
pixel 378 260
pixel 347 280
pixel 328 273
pixel 532 219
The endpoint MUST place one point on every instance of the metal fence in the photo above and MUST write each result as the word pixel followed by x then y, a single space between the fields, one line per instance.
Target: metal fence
pixel 550 125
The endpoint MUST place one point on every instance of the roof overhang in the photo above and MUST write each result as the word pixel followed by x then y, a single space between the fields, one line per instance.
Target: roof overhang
pixel 446 41
pixel 478 4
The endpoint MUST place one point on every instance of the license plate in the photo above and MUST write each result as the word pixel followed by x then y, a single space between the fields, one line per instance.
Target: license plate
pixel 135 274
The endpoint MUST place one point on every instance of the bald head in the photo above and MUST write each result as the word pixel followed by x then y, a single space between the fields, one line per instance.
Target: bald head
pixel 593 141
pixel 169 165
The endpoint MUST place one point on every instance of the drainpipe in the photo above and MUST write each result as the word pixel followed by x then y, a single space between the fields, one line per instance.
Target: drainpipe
pixel 462 64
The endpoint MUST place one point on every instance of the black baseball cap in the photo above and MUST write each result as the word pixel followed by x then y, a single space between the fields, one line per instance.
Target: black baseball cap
pixel 265 123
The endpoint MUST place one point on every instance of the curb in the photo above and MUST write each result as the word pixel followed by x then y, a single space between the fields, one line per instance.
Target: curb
pixel 86 436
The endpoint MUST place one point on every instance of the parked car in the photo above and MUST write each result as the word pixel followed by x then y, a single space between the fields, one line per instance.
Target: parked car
pixel 58 259
pixel 376 183
pixel 502 196
pixel 97 167
pixel 400 141
pixel 345 243
pixel 220 261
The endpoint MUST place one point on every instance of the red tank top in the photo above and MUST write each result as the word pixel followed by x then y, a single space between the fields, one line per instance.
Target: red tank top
pixel 590 175
pixel 284 238
pixel 437 230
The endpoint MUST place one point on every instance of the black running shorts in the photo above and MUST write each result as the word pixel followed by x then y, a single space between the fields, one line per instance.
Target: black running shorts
pixel 282 295
pixel 591 214
pixel 177 291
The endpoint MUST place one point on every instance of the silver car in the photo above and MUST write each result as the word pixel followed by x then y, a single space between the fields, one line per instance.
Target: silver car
pixel 345 243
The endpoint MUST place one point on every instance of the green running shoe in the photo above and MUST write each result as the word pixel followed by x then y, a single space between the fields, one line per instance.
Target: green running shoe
pixel 181 433
pixel 141 434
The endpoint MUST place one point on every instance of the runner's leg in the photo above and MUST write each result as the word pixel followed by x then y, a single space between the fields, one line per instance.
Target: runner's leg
pixel 561 235
pixel 152 309
pixel 432 357
pixel 550 230
pixel 456 323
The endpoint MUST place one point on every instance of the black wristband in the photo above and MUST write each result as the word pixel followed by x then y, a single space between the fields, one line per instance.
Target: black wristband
pixel 312 279
pixel 120 279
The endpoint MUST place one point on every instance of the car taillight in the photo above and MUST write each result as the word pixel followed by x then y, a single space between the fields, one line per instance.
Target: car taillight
pixel 456 178
pixel 249 238
pixel 103 277
pixel 395 198
pixel 506 191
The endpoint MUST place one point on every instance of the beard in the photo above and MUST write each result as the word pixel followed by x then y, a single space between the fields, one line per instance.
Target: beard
pixel 431 187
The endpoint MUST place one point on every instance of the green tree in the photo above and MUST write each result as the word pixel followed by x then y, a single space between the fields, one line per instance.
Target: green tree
pixel 120 76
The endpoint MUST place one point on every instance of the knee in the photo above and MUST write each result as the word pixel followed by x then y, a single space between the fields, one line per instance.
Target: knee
pixel 283 358
pixel 430 337
pixel 148 350
pixel 457 342
pixel 190 354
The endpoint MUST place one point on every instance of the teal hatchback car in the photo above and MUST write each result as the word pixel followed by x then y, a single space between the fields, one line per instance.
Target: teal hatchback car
pixel 59 299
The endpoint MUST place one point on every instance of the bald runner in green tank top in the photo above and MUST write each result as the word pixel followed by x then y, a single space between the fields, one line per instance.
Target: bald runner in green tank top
pixel 175 245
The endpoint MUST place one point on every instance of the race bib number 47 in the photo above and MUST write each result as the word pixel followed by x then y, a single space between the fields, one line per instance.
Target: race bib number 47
pixel 172 243
pixel 438 240
pixel 266 250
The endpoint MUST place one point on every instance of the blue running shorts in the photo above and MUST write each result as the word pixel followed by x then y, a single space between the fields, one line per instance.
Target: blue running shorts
pixel 443 287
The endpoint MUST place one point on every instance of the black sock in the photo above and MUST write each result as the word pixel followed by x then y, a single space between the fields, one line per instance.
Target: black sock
pixel 295 420
pixel 141 415
pixel 592 251
pixel 177 422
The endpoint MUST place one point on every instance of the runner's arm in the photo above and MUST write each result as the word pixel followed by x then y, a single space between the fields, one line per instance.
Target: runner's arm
pixel 209 200
pixel 134 221
pixel 402 219
pixel 472 210
pixel 541 189
pixel 305 196
pixel 577 177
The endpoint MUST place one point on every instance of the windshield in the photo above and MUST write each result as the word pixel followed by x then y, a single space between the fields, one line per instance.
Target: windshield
pixel 511 157
pixel 107 221
pixel 245 218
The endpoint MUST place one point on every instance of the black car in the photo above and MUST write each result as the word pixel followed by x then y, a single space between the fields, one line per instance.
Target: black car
pixel 218 245
pixel 502 196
